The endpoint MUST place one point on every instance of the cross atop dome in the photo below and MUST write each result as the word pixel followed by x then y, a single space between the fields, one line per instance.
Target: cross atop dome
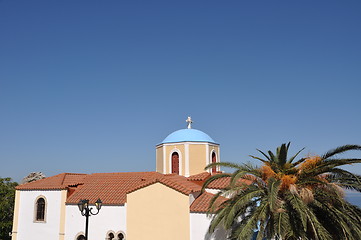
pixel 189 121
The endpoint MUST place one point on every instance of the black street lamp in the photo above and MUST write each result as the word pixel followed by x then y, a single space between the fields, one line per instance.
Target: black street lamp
pixel 83 205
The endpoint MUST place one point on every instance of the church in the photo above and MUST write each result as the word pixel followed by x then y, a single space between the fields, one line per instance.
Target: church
pixel 160 205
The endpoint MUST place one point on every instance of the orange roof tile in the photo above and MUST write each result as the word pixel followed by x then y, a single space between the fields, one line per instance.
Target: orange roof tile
pixel 202 203
pixel 221 183
pixel 180 183
pixel 60 181
pixel 199 177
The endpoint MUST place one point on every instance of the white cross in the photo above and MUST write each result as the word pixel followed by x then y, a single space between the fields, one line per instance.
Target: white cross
pixel 189 121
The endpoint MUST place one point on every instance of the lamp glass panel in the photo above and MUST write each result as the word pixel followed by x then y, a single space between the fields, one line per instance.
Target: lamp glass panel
pixel 81 205
pixel 98 204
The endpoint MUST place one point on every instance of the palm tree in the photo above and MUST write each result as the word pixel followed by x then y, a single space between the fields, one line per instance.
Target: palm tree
pixel 287 198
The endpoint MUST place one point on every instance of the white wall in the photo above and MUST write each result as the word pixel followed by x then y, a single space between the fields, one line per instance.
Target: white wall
pixel 28 229
pixel 199 228
pixel 110 218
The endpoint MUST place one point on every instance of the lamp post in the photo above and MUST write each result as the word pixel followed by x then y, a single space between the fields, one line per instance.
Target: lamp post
pixel 83 206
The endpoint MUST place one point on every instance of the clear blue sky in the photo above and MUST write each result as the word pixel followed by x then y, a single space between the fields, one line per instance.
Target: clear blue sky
pixel 93 86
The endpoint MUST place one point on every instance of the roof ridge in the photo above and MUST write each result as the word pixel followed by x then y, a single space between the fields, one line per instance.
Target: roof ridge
pixel 145 184
pixel 53 182
pixel 199 177
pixel 69 173
pixel 122 173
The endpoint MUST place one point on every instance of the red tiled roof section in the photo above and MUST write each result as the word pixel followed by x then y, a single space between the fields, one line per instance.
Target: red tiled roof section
pixel 221 183
pixel 180 183
pixel 60 181
pixel 112 188
pixel 202 203
pixel 199 177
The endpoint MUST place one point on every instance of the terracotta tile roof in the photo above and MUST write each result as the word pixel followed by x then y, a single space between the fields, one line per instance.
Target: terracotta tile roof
pixel 199 177
pixel 201 204
pixel 221 183
pixel 112 188
pixel 60 181
pixel 180 183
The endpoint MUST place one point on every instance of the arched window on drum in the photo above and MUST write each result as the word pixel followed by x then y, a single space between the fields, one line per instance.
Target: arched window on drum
pixel 214 160
pixel 175 162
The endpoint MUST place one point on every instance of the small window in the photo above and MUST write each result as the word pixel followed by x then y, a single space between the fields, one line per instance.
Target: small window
pixel 110 236
pixel 175 163
pixel 214 160
pixel 80 237
pixel 121 236
pixel 40 210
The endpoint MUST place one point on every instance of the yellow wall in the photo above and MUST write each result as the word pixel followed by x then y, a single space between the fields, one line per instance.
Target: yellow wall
pixel 16 215
pixel 214 148
pixel 168 151
pixel 159 159
pixel 158 212
pixel 197 158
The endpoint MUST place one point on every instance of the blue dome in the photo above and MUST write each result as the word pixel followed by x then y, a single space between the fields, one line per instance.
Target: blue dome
pixel 188 135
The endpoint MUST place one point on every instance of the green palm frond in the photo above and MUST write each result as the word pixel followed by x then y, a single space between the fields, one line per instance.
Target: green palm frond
pixel 345 179
pixel 279 161
pixel 218 218
pixel 273 158
pixel 282 227
pixel 273 190
pixel 250 223
pixel 298 162
pixel 213 178
pixel 297 206
pixel 224 164
pixel 327 165
pixel 247 172
pixel 288 199
pixel 294 156
pixel 260 159
pixel 341 215
pixel 265 155
pixel 282 153
pixel 340 149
